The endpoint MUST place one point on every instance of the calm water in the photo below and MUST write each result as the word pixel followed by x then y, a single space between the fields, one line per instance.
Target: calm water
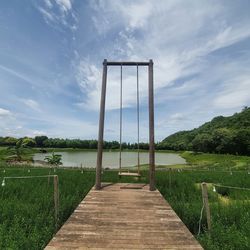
pixel 111 159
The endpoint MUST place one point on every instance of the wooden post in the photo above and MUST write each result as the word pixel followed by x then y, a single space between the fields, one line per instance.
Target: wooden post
pixel 151 127
pixel 101 127
pixel 206 204
pixel 56 200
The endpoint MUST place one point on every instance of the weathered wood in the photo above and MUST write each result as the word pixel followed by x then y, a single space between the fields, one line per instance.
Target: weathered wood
pixel 120 151
pixel 128 63
pixel 129 174
pixel 133 186
pixel 117 218
pixel 151 127
pixel 151 121
pixel 138 119
pixel 206 203
pixel 101 127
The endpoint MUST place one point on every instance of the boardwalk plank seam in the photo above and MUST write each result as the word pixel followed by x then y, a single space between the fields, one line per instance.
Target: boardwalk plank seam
pixel 123 218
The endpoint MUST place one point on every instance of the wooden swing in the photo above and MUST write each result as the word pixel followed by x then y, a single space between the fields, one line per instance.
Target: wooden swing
pixel 149 64
pixel 128 173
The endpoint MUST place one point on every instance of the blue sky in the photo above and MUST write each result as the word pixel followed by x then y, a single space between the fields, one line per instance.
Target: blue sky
pixel 51 54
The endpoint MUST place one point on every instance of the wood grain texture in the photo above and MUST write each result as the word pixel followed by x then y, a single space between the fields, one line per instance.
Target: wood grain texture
pixel 123 218
pixel 129 174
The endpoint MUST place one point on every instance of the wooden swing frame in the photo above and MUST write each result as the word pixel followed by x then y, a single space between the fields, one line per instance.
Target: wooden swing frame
pixel 151 122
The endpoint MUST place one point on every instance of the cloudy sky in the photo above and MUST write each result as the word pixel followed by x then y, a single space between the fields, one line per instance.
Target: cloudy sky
pixel 51 54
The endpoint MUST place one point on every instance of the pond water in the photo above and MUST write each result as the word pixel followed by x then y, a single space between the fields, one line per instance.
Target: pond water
pixel 111 159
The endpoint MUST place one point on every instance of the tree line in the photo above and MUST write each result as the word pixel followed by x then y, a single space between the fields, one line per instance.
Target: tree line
pixel 221 135
pixel 45 142
pixel 220 141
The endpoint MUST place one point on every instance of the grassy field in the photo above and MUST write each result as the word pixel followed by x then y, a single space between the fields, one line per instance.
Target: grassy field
pixel 27 209
pixel 229 207
pixel 216 161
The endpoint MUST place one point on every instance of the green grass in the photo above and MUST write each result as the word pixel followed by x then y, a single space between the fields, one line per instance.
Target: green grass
pixel 26 206
pixel 230 220
pixel 27 209
pixel 217 161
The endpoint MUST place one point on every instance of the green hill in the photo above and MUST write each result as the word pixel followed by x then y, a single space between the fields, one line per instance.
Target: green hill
pixel 221 135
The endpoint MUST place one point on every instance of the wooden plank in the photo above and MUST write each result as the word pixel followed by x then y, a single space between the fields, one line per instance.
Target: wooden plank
pixel 133 186
pixel 127 63
pixel 119 218
pixel 129 174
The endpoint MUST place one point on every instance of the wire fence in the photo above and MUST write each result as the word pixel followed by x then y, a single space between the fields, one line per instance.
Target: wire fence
pixel 205 200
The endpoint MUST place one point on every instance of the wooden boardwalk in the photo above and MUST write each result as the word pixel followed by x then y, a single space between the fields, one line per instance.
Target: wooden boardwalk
pixel 124 216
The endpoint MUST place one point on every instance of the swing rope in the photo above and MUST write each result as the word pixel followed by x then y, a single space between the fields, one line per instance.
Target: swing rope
pixel 138 121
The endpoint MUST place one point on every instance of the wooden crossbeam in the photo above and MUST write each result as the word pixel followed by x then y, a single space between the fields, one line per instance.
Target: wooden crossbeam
pixel 127 63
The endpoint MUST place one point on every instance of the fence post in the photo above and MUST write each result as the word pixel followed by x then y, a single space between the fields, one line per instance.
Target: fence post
pixel 56 200
pixel 206 204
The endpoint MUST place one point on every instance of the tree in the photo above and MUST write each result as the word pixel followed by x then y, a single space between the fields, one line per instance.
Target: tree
pixel 18 149
pixel 10 141
pixel 224 140
pixel 28 142
pixel 203 142
pixel 40 140
pixel 54 159
pixel 93 144
pixel 2 141
pixel 242 142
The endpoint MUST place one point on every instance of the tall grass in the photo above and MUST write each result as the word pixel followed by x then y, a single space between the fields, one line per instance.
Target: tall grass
pixel 230 213
pixel 27 209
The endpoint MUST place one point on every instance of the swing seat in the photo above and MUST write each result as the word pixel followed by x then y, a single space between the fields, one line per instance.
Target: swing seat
pixel 129 174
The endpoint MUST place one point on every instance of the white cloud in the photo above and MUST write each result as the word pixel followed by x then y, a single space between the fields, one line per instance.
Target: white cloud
pixel 38 132
pixel 59 14
pixel 177 35
pixel 32 104
pixel 66 127
pixel 16 74
pixel 4 112
pixel 235 94
pixel 48 3
pixel 89 77
pixel 189 41
pixel 47 15
pixel 65 5
pixel 137 13
pixel 177 117
pixel 57 125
